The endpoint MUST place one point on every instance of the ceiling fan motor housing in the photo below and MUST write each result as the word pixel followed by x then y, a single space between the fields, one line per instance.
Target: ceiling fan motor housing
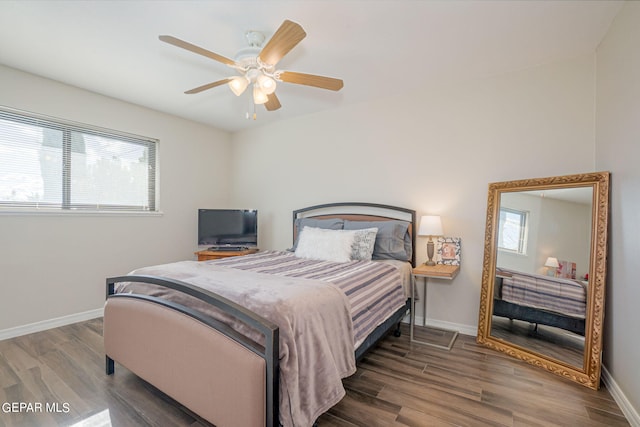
pixel 247 57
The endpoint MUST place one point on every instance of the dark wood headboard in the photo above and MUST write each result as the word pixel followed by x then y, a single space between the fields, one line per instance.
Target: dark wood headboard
pixel 359 211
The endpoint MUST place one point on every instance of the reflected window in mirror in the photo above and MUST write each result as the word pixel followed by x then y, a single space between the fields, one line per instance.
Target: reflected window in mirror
pixel 513 231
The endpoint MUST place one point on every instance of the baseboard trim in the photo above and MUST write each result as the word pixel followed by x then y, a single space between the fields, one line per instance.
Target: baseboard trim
pixel 49 324
pixel 618 395
pixel 462 329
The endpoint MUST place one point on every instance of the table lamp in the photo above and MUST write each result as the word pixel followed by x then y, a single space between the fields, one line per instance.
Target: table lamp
pixel 552 265
pixel 430 225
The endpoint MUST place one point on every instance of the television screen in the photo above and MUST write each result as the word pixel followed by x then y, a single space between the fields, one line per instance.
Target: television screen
pixel 228 227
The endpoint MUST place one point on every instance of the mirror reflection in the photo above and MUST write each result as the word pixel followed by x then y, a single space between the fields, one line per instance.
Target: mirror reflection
pixel 542 270
pixel 543 273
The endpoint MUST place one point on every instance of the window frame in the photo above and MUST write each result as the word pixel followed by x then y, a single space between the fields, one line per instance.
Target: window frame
pixel 524 231
pixel 66 206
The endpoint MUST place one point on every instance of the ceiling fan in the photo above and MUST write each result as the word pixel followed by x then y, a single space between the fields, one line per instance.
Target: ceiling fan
pixel 256 65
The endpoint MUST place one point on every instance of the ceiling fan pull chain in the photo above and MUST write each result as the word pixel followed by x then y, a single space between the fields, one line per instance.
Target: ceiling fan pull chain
pixel 248 114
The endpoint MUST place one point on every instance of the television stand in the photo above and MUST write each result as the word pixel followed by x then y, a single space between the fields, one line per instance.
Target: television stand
pixel 207 255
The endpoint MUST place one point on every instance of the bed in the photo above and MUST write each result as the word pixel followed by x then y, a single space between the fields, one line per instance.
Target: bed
pixel 265 339
pixel 545 300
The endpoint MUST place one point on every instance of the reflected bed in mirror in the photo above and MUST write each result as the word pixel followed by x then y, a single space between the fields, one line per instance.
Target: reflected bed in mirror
pixel 543 275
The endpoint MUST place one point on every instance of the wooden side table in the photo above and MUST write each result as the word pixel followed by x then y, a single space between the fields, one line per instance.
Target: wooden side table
pixel 207 255
pixel 426 272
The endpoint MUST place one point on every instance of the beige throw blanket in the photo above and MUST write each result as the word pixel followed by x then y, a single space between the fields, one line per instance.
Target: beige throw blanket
pixel 316 332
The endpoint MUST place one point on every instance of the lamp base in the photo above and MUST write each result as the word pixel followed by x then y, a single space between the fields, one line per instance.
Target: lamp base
pixel 430 248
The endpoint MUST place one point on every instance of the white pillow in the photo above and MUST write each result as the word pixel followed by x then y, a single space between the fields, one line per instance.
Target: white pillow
pixel 363 243
pixel 325 245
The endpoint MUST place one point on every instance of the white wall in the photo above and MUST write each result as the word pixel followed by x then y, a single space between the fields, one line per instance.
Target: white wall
pixel 55 266
pixel 435 150
pixel 618 150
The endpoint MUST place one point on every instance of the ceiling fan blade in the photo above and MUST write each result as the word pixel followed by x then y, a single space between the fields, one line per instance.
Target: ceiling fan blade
pixel 196 49
pixel 207 86
pixel 285 38
pixel 273 103
pixel 311 80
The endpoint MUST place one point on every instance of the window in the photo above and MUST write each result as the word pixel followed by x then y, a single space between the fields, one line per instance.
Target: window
pixel 512 231
pixel 50 164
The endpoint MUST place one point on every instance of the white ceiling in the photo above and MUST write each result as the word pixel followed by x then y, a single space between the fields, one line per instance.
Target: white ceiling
pixel 112 47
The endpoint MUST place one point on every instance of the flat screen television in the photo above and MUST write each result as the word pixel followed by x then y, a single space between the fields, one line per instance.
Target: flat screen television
pixel 221 228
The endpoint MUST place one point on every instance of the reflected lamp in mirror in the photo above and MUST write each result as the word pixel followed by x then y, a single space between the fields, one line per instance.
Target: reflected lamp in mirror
pixel 431 226
pixel 552 266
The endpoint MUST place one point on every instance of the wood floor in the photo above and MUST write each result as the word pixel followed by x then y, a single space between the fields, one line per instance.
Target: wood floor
pixel 397 384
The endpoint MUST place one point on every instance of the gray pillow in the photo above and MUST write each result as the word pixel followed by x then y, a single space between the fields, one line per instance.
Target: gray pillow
pixel 331 224
pixel 393 240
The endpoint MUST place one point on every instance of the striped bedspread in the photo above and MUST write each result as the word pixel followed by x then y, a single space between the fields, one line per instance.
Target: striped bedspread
pixel 374 289
pixel 558 295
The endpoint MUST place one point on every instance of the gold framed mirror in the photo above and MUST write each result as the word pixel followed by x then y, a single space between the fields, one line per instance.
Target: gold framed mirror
pixel 544 271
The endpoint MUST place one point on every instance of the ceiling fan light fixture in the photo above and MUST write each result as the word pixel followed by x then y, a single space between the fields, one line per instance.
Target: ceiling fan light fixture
pixel 238 85
pixel 259 97
pixel 267 84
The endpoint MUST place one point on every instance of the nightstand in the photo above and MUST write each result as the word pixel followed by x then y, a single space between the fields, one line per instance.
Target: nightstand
pixel 426 272
pixel 207 255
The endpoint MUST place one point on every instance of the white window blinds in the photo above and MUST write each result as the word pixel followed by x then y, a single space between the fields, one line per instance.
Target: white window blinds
pixel 47 163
